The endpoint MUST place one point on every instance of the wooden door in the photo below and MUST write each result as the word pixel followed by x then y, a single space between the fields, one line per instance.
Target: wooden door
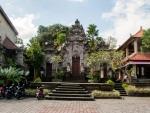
pixel 76 67
pixel 48 72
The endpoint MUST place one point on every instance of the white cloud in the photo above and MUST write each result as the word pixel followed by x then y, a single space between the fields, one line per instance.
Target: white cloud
pixel 25 26
pixel 127 17
pixel 76 0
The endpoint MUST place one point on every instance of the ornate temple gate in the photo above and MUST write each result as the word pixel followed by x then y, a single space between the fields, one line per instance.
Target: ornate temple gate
pixel 76 68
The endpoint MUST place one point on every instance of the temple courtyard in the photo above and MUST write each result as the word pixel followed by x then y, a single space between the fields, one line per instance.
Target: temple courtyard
pixel 32 105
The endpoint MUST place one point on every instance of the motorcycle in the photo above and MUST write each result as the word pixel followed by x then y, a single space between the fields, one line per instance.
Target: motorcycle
pixel 20 91
pixel 9 92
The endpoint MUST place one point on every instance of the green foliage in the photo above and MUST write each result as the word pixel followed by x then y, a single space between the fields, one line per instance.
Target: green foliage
pixel 61 38
pixel 56 59
pixel 35 55
pixel 146 41
pixel 13 74
pixel 94 41
pixel 114 58
pixel 32 92
pixel 124 85
pixel 60 74
pixel 10 61
pixel 132 90
pixel 53 34
pixel 1 82
pixel 37 80
pixel 93 77
pixel 110 82
pixel 98 93
pixel 92 31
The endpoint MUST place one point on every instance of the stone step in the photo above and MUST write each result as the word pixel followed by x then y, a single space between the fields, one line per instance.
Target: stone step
pixel 73 92
pixel 69 95
pixel 70 84
pixel 69 98
pixel 121 90
pixel 69 89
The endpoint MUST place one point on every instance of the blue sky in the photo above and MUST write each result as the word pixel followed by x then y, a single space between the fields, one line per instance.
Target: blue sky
pixel 117 18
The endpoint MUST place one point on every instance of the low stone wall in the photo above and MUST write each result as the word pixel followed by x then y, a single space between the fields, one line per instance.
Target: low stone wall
pixel 141 84
pixel 88 86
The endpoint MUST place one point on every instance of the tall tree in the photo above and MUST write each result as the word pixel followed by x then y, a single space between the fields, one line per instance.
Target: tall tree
pixel 53 34
pixel 146 41
pixel 92 33
pixel 35 56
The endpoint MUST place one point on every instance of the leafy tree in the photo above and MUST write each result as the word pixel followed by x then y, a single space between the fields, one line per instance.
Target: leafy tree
pixel 95 42
pixel 114 58
pixel 61 38
pixel 53 34
pixel 35 56
pixel 42 29
pixel 146 41
pixel 92 33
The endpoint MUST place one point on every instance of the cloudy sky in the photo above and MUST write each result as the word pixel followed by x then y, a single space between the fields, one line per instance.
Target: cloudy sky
pixel 116 18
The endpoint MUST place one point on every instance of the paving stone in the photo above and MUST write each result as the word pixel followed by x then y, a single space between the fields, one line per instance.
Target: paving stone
pixel 31 105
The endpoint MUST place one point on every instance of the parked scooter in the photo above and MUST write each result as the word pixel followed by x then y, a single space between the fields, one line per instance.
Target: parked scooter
pixel 9 92
pixel 39 93
pixel 20 91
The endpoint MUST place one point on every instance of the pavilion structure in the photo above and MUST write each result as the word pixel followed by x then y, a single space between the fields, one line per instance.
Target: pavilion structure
pixel 136 59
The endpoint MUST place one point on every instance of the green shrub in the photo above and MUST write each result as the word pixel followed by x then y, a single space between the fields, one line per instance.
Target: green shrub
pixel 132 90
pixel 11 74
pixel 98 93
pixel 124 85
pixel 32 92
pixel 37 80
pixel 46 91
pixel 1 82
pixel 110 82
pixel 93 77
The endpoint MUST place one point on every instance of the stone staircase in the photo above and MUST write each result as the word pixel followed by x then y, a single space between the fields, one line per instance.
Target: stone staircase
pixel 69 91
pixel 118 87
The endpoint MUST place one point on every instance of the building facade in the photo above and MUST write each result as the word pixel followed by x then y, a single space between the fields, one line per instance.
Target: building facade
pixel 8 39
pixel 134 57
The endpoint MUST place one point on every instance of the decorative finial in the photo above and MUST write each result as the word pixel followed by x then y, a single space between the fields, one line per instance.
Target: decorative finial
pixel 77 21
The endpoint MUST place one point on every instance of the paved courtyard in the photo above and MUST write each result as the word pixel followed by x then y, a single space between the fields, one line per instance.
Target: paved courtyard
pixel 31 105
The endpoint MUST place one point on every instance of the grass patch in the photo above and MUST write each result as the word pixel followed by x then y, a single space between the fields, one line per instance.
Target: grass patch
pixel 105 94
pixel 137 91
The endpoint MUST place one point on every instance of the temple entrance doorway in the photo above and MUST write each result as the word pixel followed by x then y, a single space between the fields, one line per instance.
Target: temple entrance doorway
pixel 48 72
pixel 76 68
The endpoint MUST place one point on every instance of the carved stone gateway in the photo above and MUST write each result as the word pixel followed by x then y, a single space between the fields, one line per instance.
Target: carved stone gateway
pixel 74 49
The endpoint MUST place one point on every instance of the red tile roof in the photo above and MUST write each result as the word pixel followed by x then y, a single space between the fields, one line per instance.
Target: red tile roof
pixel 7 43
pixel 138 57
pixel 139 34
